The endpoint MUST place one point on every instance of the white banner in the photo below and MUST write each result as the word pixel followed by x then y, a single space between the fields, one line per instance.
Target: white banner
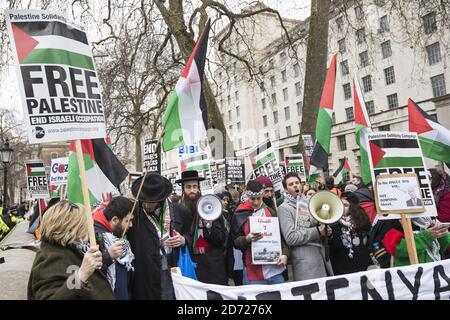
pixel 427 281
pixel 58 171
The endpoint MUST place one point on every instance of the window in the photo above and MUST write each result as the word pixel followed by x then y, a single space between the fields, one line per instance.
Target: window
pixel 298 89
pixel 349 113
pixel 272 81
pixel 228 84
pixel 299 108
pixel 384 24
pixel 238 126
pixel 341 44
pixel 386 49
pixel 434 53
pixel 54 155
pixel 230 128
pixel 234 66
pixel 283 56
pixel 364 59
pixel 287 113
pixel 263 103
pixel 285 94
pixel 333 119
pixel 344 67
pixel 220 75
pixel 277 134
pixel 296 70
pixel 235 80
pixel 271 63
pixel 221 103
pixel 275 117
pixel 438 85
pixel 347 91
pixel 370 107
pixel 262 86
pixel 274 99
pixel 288 131
pixel 236 95
pixel 367 83
pixel 265 121
pixel 340 23
pixel 386 127
pixel 266 134
pixel 429 23
pixel 229 99
pixel 283 76
pixel 237 111
pixel 229 115
pixel 240 143
pixel 342 143
pixel 359 13
pixel 361 35
pixel 389 75
pixel 392 101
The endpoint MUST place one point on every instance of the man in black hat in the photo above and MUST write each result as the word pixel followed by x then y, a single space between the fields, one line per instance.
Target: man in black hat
pixel 159 229
pixel 206 239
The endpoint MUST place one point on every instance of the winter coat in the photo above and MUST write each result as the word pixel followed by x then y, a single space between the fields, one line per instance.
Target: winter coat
pixel 51 278
pixel 306 250
pixel 145 244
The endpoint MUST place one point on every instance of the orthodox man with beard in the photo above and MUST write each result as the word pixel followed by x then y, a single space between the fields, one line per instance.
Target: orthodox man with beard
pixel 207 239
pixel 159 230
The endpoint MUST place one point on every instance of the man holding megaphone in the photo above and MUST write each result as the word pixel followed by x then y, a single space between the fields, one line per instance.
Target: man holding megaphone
pixel 302 232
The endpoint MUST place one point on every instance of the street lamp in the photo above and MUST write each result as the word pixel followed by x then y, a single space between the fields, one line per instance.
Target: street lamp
pixel 6 154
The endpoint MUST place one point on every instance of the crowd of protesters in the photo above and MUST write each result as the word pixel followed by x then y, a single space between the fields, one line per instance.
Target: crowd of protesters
pixel 136 249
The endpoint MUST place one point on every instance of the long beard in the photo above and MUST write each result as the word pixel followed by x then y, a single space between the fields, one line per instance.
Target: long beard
pixel 191 204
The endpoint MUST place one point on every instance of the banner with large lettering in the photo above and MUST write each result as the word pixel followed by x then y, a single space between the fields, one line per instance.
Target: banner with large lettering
pixel 400 152
pixel 58 83
pixel 265 163
pixel 294 163
pixel 427 281
pixel 37 180
pixel 152 156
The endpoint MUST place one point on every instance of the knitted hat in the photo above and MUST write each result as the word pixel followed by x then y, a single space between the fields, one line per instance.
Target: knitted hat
pixel 265 181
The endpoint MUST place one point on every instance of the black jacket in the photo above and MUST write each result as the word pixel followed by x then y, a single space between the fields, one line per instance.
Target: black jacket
pixel 145 244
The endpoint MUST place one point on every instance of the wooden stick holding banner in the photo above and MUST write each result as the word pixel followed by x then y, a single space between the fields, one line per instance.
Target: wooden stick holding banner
pixel 84 188
pixel 409 237
pixel 140 187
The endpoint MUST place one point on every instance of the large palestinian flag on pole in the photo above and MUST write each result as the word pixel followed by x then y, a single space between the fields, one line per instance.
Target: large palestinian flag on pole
pixel 434 138
pixel 104 172
pixel 185 120
pixel 362 128
pixel 319 158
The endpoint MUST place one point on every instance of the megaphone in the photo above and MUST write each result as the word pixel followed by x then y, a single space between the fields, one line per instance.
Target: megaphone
pixel 209 207
pixel 326 207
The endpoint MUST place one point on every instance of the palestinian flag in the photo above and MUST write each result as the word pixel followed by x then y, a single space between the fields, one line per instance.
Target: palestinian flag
pixel 319 157
pixel 185 120
pixel 36 169
pixel 104 172
pixel 362 129
pixel 434 138
pixel 395 153
pixel 51 42
pixel 344 168
pixel 198 162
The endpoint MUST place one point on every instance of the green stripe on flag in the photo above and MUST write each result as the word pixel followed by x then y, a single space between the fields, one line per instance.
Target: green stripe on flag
pixel 37 174
pixel 435 150
pixel 172 139
pixel 74 192
pixel 323 129
pixel 59 56
pixel 264 160
pixel 400 162
pixel 198 167
pixel 365 166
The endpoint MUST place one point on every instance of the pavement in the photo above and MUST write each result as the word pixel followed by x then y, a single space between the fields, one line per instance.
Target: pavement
pixel 15 271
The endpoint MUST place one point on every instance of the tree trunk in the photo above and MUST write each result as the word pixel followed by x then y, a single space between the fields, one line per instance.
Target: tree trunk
pixel 138 148
pixel 316 67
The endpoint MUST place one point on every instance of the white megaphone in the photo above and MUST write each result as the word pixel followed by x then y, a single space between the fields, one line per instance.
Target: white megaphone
pixel 326 207
pixel 209 207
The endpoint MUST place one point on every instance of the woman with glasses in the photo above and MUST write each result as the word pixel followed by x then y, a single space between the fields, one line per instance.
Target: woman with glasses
pixel 64 267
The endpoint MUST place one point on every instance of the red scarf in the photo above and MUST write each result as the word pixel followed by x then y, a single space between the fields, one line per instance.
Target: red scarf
pixel 99 216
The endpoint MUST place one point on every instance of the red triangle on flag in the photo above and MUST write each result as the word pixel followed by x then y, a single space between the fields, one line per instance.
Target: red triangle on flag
pixel 376 152
pixel 28 169
pixel 346 164
pixel 24 43
pixel 417 122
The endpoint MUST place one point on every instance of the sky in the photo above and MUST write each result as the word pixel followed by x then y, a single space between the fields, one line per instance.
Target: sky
pixel 9 90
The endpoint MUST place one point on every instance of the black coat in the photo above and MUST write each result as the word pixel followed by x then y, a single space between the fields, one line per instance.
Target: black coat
pixel 145 244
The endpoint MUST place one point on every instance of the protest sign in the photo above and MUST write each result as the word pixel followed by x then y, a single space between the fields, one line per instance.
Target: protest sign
pixel 235 170
pixel 199 162
pixel 36 180
pixel 58 171
pixel 58 83
pixel 266 250
pixel 431 282
pixel 152 156
pixel 264 162
pixel 294 163
pixel 399 153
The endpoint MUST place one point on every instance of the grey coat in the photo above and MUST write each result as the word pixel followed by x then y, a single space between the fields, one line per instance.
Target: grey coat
pixel 306 250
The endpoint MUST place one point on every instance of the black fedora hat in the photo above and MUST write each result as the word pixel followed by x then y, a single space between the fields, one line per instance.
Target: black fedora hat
pixel 189 175
pixel 156 188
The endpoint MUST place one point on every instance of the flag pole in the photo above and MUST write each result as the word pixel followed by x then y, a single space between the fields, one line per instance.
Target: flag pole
pixel 409 237
pixel 140 187
pixel 84 188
